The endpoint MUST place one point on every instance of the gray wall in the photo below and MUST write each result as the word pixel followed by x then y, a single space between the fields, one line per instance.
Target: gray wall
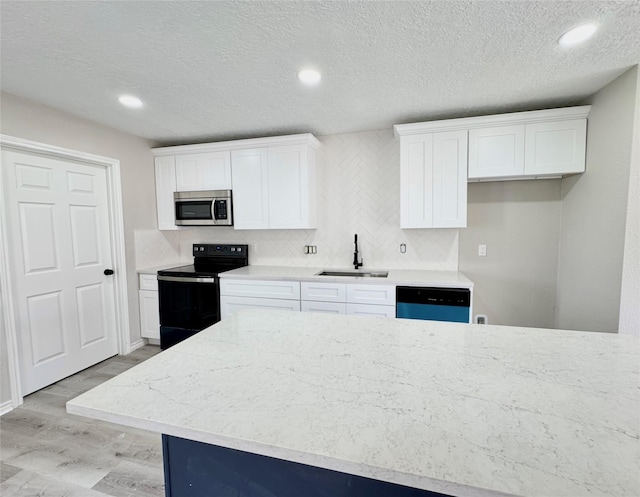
pixel 630 295
pixel 594 207
pixel 519 221
pixel 24 119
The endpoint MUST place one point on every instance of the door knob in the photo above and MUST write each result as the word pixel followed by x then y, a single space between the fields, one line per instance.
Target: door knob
pixel 108 272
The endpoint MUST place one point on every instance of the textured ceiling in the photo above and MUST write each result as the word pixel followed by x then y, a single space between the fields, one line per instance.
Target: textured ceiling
pixel 217 70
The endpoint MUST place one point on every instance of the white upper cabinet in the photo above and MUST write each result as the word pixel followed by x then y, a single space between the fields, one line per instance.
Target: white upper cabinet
pixel 250 189
pixel 433 179
pixel 275 187
pixel 205 171
pixel 527 145
pixel 496 151
pixel 273 179
pixel 165 169
pixel 557 147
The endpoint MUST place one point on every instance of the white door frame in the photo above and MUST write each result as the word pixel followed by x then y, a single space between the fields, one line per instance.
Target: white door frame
pixel 116 227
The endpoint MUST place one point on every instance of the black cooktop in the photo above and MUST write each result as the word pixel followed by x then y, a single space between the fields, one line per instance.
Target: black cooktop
pixel 211 259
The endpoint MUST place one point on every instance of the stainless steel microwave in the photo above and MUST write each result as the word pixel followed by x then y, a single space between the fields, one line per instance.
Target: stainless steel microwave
pixel 205 208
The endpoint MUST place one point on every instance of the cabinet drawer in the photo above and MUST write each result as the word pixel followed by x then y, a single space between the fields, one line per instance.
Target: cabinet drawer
pixel 325 307
pixel 261 288
pixel 148 282
pixel 371 294
pixel 384 311
pixel 323 292
pixel 232 304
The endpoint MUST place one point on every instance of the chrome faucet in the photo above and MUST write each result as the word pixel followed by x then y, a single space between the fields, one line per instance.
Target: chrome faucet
pixel 356 264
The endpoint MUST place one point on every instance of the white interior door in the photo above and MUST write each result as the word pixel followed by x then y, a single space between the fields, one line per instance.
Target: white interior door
pixel 58 230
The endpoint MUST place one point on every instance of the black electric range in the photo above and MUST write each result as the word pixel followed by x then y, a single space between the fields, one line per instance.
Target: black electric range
pixel 190 295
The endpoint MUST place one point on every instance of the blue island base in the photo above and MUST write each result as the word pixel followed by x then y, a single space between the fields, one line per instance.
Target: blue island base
pixel 196 469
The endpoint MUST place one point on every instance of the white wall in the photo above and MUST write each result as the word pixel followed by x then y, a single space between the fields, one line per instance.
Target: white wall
pixel 519 222
pixel 24 119
pixel 630 293
pixel 594 207
pixel 358 192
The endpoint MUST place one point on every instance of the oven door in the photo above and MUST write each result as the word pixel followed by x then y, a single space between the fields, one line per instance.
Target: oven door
pixel 187 305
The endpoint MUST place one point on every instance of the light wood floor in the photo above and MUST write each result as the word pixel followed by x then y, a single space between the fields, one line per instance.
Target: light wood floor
pixel 46 452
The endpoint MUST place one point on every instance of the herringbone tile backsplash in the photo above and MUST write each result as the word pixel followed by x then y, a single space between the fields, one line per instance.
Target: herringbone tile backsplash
pixel 358 192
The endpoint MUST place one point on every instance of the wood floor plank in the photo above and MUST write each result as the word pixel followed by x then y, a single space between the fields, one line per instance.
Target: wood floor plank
pixel 29 484
pixel 45 451
pixel 131 479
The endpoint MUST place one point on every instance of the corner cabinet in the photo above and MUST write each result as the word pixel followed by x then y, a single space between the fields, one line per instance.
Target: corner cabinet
pixel 433 178
pixel 528 145
pixel 273 179
pixel 522 145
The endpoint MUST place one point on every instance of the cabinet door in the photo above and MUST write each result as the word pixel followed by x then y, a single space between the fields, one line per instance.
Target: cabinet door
pixel 496 152
pixel 149 314
pixel 250 188
pixel 324 307
pixel 433 180
pixel 416 181
pixel 291 181
pixel 165 169
pixel 450 179
pixel 385 311
pixel 206 171
pixel 231 304
pixel 555 148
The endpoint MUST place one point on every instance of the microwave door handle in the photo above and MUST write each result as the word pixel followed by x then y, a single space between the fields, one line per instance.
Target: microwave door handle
pixel 214 209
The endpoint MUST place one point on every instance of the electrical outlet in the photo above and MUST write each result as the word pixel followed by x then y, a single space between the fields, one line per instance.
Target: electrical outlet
pixel 482 250
pixel 403 248
pixel 482 319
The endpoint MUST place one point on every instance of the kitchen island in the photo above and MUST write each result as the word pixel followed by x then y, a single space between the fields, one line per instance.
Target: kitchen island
pixel 464 410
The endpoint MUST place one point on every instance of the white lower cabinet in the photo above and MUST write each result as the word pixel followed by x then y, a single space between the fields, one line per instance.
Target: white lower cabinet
pixel 324 307
pixel 307 296
pixel 149 306
pixel 372 294
pixel 385 311
pixel 258 294
pixel 229 305
pixel 269 289
pixel 346 298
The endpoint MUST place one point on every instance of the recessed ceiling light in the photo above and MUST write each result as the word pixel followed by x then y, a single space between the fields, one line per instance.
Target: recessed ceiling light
pixel 577 35
pixel 309 76
pixel 130 101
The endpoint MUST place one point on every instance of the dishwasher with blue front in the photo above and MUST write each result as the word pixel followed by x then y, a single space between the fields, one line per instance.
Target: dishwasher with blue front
pixel 434 304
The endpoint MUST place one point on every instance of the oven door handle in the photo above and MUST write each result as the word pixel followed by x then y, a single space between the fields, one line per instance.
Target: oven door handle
pixel 180 279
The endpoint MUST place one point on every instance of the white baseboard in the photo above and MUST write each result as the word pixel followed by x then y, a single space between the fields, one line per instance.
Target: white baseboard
pixel 6 407
pixel 136 345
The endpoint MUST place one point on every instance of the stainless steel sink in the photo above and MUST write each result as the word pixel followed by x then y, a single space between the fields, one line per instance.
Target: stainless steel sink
pixel 355 273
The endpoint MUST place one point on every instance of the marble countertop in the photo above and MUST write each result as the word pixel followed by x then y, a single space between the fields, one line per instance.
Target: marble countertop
pixel 466 410
pixel 155 269
pixel 409 277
